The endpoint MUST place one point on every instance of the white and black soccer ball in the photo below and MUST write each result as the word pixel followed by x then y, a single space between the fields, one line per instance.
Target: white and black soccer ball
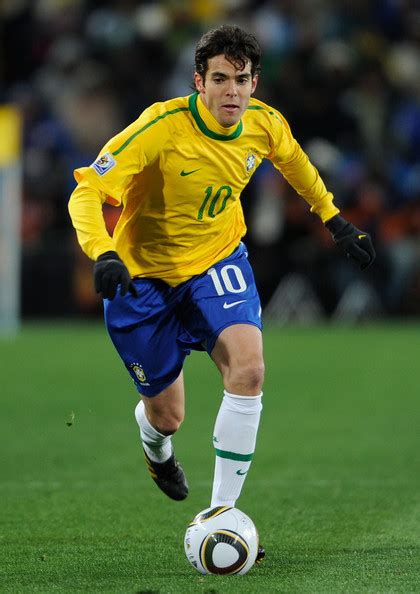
pixel 221 540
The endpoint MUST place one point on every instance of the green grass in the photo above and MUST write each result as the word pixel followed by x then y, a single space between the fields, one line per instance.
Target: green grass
pixel 334 488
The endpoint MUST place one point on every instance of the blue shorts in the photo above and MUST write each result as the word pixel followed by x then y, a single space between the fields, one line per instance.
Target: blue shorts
pixel 154 332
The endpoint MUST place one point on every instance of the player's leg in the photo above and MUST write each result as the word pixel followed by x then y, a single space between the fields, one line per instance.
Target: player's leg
pixel 144 330
pixel 158 419
pixel 238 354
pixel 224 315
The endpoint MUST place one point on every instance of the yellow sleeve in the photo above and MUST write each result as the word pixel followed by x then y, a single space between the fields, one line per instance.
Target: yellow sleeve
pixel 289 158
pixel 109 177
pixel 125 156
pixel 85 208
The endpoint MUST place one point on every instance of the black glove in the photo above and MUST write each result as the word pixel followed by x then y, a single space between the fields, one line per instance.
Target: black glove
pixel 109 272
pixel 356 244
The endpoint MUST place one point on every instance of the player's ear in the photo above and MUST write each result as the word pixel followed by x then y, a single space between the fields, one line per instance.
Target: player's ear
pixel 199 82
pixel 254 83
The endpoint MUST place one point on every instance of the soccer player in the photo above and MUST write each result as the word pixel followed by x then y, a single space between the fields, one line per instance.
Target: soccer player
pixel 175 275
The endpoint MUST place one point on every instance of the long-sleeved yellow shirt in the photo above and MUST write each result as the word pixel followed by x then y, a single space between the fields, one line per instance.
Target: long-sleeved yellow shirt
pixel 179 176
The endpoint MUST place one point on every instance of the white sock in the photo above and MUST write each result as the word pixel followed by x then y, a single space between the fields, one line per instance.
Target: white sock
pixel 235 434
pixel 157 446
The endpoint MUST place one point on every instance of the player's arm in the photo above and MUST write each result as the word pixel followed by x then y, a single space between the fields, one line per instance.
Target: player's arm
pixel 85 207
pixel 106 180
pixel 297 169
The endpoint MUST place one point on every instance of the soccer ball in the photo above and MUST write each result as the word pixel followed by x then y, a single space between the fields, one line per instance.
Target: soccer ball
pixel 221 540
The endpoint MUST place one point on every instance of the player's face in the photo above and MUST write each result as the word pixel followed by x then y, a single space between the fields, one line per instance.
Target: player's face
pixel 226 90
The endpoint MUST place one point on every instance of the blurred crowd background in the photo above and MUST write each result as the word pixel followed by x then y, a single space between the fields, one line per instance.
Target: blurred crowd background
pixel 345 73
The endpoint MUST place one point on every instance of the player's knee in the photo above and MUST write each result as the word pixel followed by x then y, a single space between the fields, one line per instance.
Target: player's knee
pixel 254 375
pixel 248 376
pixel 167 423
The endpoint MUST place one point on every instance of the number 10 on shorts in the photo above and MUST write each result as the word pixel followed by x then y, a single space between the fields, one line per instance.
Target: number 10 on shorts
pixel 228 279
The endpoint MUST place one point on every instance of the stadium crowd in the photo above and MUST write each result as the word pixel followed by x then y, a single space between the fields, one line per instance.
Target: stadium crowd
pixel 346 74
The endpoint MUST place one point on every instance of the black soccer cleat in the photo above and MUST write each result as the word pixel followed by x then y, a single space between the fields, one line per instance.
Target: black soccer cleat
pixel 169 477
pixel 260 555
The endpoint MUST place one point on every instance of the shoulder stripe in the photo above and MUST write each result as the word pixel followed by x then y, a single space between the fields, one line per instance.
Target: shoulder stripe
pixel 133 136
pixel 260 108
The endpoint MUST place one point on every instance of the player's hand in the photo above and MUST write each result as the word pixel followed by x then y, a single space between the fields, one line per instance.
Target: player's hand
pixel 109 272
pixel 355 243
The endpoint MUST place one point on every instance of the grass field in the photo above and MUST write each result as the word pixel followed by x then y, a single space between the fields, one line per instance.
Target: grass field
pixel 334 488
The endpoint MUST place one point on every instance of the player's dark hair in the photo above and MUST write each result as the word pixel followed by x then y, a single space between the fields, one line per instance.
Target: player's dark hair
pixel 234 43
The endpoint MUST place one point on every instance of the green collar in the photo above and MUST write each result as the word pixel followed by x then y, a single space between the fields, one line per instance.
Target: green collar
pixel 192 103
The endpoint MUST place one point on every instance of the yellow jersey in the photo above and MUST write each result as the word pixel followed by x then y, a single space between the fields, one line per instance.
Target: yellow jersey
pixel 178 175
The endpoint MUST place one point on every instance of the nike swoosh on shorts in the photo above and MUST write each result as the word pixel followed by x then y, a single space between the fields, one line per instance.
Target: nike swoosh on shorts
pixel 228 305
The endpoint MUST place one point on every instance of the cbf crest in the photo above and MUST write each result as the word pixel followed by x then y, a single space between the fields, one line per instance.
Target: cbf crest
pixel 250 162
pixel 138 371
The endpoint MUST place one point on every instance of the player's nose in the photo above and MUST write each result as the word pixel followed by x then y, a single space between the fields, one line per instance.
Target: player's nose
pixel 232 89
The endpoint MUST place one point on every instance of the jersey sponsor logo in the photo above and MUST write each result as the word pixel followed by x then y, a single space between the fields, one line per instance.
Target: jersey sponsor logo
pixel 251 159
pixel 184 173
pixel 104 163
pixel 232 304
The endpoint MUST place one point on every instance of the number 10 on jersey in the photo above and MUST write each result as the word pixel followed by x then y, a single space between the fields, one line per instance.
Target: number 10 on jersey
pixel 223 193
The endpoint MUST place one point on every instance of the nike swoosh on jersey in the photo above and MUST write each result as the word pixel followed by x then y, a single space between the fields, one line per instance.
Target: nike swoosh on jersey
pixel 241 473
pixel 228 305
pixel 184 173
